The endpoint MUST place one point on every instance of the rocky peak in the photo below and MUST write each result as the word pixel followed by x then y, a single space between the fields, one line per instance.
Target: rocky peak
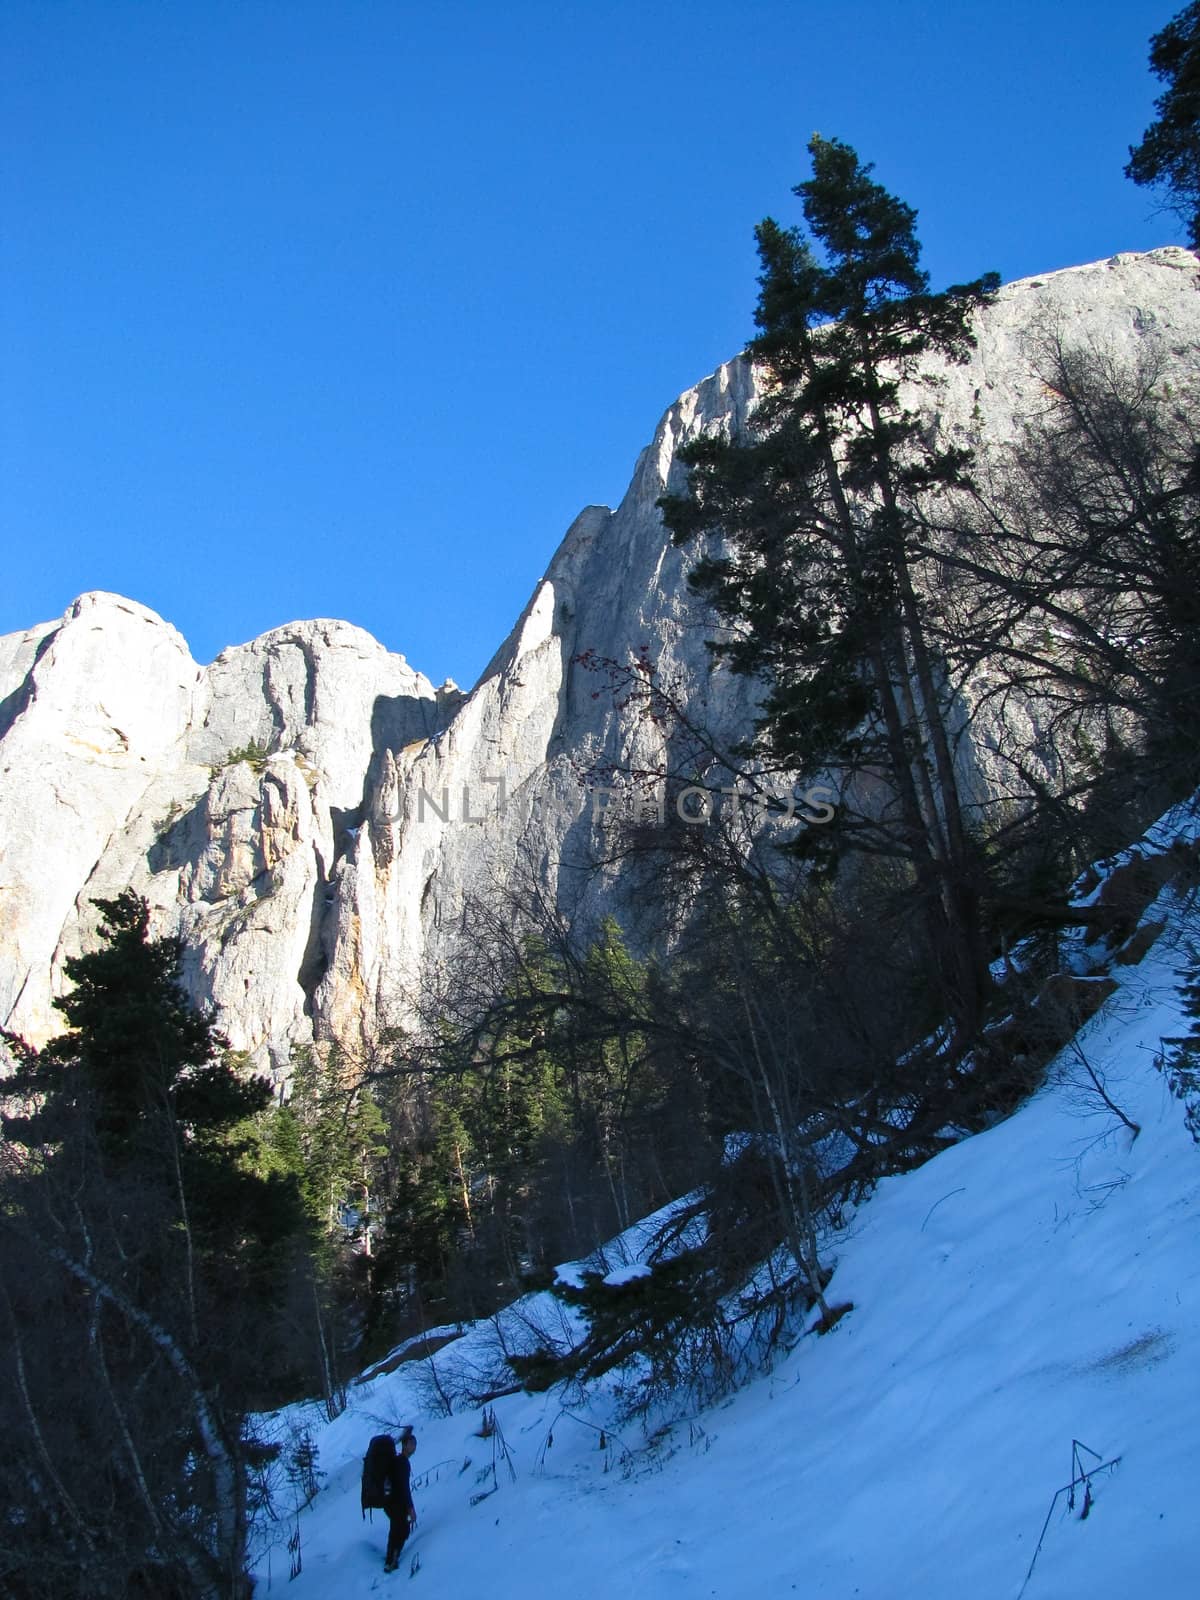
pixel 311 814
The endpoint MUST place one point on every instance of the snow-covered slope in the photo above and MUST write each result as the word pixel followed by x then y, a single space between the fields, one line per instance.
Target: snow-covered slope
pixel 1036 1285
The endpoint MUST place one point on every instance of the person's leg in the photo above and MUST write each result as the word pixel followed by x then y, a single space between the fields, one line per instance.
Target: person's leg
pixel 397 1533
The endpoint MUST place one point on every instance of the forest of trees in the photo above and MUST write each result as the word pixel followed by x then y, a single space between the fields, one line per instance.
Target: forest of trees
pixel 143 1268
pixel 181 1247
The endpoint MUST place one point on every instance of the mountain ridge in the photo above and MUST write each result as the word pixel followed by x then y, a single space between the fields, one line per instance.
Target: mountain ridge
pixel 311 815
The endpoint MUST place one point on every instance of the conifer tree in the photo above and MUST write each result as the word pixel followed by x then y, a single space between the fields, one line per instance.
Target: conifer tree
pixel 132 1225
pixel 135 1051
pixel 147 1079
pixel 339 1137
pixel 1169 154
pixel 817 508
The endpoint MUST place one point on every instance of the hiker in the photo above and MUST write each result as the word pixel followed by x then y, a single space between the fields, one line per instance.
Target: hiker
pixel 398 1503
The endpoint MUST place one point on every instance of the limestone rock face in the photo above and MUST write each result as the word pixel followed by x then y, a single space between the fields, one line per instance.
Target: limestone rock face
pixel 311 815
pixel 95 709
pixel 214 791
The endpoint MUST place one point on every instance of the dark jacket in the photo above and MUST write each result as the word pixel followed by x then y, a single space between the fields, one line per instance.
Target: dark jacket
pixel 399 1495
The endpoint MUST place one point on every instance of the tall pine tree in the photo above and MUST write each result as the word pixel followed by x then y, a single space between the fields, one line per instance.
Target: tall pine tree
pixel 815 511
pixel 140 1266
pixel 1169 154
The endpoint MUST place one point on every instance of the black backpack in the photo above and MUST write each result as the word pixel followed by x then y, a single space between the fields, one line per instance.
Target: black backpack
pixel 379 1467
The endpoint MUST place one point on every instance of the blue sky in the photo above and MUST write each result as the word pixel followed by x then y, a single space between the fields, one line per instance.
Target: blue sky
pixel 347 308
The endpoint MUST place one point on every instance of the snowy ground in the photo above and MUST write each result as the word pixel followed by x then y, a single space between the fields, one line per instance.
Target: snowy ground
pixel 1035 1285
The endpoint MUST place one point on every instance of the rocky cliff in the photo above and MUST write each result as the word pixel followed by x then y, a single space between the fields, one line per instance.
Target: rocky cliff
pixel 310 814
